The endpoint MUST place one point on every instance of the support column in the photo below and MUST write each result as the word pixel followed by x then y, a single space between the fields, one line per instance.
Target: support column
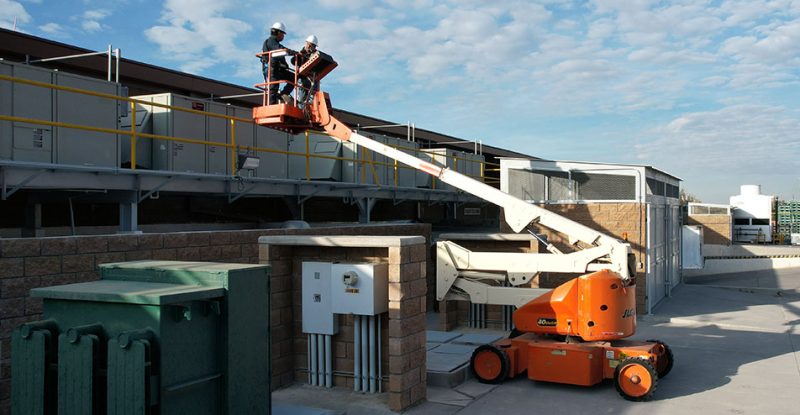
pixel 33 221
pixel 295 208
pixel 365 206
pixel 129 215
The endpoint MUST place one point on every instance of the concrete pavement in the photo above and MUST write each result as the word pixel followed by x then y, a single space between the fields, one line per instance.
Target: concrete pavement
pixel 735 352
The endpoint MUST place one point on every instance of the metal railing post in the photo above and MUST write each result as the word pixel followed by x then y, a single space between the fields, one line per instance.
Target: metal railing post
pixel 308 159
pixel 118 54
pixel 233 148
pixel 133 136
pixel 108 73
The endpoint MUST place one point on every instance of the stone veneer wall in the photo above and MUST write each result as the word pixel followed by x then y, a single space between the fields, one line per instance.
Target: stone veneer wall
pixel 27 263
pixel 403 327
pixel 716 228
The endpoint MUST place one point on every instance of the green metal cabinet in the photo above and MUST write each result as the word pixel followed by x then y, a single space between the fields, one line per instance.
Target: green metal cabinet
pixel 149 337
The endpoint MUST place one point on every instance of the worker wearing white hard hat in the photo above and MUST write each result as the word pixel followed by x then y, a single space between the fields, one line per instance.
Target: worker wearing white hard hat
pixel 308 86
pixel 275 68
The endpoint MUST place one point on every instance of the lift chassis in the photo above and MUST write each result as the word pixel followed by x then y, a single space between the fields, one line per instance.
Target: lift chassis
pixel 571 334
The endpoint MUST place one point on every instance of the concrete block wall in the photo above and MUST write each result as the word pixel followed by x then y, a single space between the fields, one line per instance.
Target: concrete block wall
pixel 403 327
pixel 626 221
pixel 27 263
pixel 716 228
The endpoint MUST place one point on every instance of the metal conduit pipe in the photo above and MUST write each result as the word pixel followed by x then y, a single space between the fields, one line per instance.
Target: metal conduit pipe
pixel 320 359
pixel 357 353
pixel 372 353
pixel 364 354
pixel 380 368
pixel 308 357
pixel 313 340
pixel 328 362
pixel 472 315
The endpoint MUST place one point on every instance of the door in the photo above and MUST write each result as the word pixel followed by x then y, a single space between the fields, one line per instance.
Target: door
pixel 656 254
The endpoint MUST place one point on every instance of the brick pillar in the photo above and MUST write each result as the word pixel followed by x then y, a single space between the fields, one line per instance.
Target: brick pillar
pixel 407 289
pixel 281 313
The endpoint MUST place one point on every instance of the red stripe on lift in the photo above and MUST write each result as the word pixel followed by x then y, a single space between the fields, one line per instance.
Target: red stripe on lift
pixel 430 169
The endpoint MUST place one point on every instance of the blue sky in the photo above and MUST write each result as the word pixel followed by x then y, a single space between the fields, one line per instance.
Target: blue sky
pixel 708 91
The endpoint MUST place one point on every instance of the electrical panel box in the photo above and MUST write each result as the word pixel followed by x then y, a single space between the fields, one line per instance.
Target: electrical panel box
pixel 361 289
pixel 318 317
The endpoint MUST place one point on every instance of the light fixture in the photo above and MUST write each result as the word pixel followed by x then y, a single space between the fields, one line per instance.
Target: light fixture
pixel 248 162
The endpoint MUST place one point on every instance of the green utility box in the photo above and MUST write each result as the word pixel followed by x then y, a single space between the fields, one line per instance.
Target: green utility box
pixel 151 337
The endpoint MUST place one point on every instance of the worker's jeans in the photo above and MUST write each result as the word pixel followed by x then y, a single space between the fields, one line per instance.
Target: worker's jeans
pixel 279 74
pixel 306 85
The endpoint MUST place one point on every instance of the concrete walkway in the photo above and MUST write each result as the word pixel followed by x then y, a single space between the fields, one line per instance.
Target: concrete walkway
pixel 784 281
pixel 735 353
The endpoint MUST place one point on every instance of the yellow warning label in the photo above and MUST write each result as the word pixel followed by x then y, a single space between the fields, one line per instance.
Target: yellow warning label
pixel 613 363
pixel 559 352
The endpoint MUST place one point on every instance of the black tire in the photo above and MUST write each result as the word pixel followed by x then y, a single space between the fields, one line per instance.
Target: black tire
pixel 670 359
pixel 491 371
pixel 624 385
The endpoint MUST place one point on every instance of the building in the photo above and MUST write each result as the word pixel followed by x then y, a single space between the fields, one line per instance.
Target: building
pixel 752 215
pixel 638 204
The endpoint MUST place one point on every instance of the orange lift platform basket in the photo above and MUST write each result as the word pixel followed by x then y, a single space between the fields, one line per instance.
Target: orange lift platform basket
pixel 293 116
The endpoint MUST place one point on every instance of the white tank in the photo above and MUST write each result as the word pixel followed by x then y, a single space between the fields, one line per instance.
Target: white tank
pixel 750 190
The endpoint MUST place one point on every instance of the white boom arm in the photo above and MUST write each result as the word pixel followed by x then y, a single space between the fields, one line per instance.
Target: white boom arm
pixel 460 270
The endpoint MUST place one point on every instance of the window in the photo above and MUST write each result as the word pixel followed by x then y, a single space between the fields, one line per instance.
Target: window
pixel 762 222
pixel 526 185
pixel 559 185
pixel 741 221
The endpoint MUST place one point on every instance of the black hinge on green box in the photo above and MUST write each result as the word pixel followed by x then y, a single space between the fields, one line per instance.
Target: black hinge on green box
pixel 33 354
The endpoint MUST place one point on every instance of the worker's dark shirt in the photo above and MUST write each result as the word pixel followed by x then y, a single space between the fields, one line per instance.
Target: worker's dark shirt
pixel 302 57
pixel 272 44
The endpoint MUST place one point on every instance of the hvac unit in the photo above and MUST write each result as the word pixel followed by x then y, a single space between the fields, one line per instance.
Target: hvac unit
pixel 361 165
pixel 399 173
pixel 327 167
pixel 273 165
pixel 175 155
pixel 144 146
pixel 62 145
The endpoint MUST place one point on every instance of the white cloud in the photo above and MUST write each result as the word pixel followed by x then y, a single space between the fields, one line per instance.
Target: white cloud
pixel 53 29
pixel 753 139
pixel 91 20
pixel 345 4
pixel 11 11
pixel 778 45
pixel 197 34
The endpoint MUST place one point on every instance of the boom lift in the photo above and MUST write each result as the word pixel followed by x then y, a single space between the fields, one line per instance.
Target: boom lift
pixel 571 334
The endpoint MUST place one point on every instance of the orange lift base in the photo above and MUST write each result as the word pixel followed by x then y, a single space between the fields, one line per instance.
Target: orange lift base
pixel 634 366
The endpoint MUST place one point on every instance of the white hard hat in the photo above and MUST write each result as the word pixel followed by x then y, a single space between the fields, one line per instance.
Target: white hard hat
pixel 279 26
pixel 312 40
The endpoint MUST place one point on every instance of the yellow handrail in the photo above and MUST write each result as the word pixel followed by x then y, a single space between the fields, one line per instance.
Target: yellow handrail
pixel 134 135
